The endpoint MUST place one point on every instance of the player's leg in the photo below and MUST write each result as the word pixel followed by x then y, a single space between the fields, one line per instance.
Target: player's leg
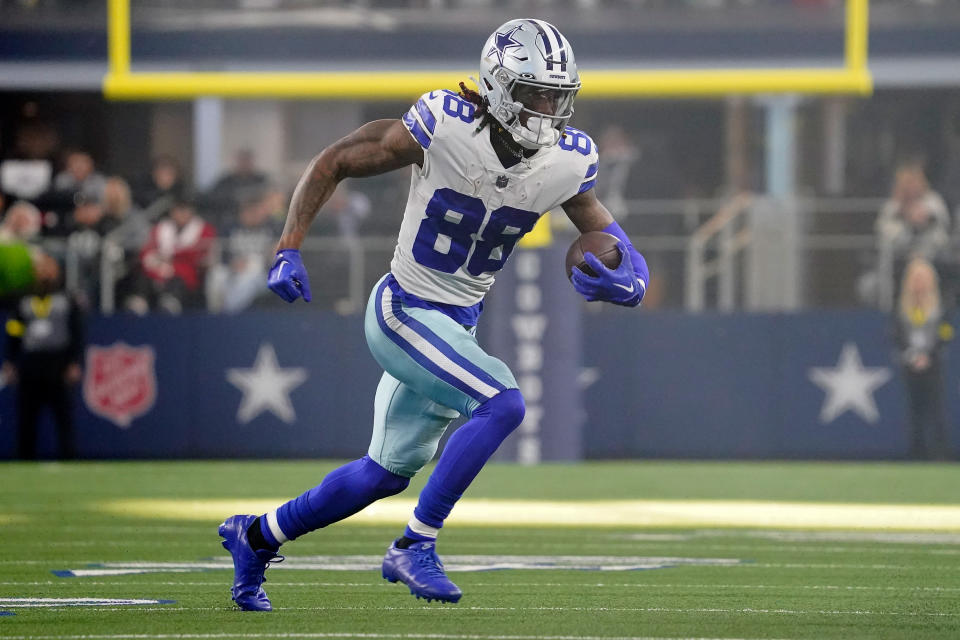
pixel 254 541
pixel 407 429
pixel 441 360
pixel 465 454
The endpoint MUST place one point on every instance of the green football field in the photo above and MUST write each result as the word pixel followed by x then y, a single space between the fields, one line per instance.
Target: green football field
pixel 601 550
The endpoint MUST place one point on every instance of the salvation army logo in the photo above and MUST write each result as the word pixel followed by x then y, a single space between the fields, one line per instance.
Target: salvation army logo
pixel 120 382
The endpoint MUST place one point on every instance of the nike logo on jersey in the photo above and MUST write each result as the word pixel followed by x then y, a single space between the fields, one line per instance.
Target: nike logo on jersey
pixel 624 287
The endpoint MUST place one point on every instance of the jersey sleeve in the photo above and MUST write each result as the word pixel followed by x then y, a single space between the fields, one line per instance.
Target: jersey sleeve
pixel 421 119
pixel 590 175
pixel 590 163
pixel 579 163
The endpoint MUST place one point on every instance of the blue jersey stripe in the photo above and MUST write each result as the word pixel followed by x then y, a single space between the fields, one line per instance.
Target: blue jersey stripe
pixel 586 186
pixel 417 131
pixel 591 170
pixel 418 357
pixel 466 316
pixel 426 116
pixel 437 341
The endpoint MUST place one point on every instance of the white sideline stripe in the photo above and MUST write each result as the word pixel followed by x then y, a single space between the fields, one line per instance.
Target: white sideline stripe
pixel 482 563
pixel 20 603
pixel 455 563
pixel 428 350
pixel 497 585
pixel 594 513
pixel 399 636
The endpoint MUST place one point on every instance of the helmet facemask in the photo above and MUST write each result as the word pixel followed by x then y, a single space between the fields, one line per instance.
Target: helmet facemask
pixel 538 113
pixel 529 78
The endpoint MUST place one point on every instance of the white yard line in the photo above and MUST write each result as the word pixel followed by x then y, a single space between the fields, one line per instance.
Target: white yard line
pixel 451 610
pixel 499 585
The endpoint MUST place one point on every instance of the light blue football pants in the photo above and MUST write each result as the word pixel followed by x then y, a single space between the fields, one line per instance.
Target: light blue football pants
pixel 434 370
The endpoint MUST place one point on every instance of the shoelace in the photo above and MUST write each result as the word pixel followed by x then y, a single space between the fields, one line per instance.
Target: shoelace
pixel 431 563
pixel 277 559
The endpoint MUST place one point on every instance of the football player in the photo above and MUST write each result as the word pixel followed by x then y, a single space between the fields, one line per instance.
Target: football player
pixel 486 166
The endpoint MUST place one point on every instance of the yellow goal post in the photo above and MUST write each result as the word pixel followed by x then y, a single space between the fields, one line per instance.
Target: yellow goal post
pixel 122 83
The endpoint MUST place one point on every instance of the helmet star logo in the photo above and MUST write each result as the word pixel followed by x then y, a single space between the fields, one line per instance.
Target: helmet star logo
pixel 502 42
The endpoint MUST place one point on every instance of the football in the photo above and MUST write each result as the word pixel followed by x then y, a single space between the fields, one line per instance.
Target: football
pixel 601 244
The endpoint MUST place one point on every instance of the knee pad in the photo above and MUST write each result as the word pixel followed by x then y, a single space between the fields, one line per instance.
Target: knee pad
pixel 507 407
pixel 382 483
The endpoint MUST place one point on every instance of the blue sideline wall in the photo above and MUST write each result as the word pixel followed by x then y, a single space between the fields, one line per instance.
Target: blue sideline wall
pixel 651 385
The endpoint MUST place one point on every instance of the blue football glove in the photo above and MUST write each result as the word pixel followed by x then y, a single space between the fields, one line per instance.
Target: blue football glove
pixel 619 286
pixel 288 276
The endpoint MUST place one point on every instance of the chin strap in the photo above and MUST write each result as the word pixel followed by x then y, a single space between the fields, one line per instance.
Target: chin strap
pixel 544 130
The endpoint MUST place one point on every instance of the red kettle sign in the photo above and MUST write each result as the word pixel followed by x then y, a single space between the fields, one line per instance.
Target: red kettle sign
pixel 120 382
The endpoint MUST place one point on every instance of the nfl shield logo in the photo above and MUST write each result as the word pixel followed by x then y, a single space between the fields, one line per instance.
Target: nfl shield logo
pixel 120 382
pixel 502 182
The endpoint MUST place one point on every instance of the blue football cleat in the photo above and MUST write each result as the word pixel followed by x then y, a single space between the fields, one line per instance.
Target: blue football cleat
pixel 420 569
pixel 248 565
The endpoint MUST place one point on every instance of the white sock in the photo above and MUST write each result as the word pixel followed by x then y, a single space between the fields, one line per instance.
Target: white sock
pixel 274 527
pixel 422 529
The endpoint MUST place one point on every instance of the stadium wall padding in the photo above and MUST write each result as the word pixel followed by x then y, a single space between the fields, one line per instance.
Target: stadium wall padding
pixel 651 384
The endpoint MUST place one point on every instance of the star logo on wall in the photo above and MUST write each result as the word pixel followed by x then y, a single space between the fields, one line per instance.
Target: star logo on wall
pixel 849 386
pixel 502 42
pixel 266 386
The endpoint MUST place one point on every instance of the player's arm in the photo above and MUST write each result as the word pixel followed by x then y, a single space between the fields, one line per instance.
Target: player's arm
pixel 624 285
pixel 376 147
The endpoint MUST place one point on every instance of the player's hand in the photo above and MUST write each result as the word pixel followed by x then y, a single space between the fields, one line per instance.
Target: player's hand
pixel 288 276
pixel 619 286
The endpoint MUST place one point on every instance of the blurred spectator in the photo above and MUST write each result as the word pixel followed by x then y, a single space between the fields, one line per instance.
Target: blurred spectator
pixel 120 215
pixel 349 208
pixel 161 188
pixel 21 223
pixel 914 222
pixel 921 332
pixel 619 155
pixel 35 139
pixel 127 230
pixel 44 352
pixel 80 174
pixel 276 202
pixel 247 249
pixel 176 257
pixel 241 183
pixel 85 231
pixel 244 179
pixel 27 170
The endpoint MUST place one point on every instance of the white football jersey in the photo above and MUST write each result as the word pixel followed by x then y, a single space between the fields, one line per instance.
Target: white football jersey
pixel 465 211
